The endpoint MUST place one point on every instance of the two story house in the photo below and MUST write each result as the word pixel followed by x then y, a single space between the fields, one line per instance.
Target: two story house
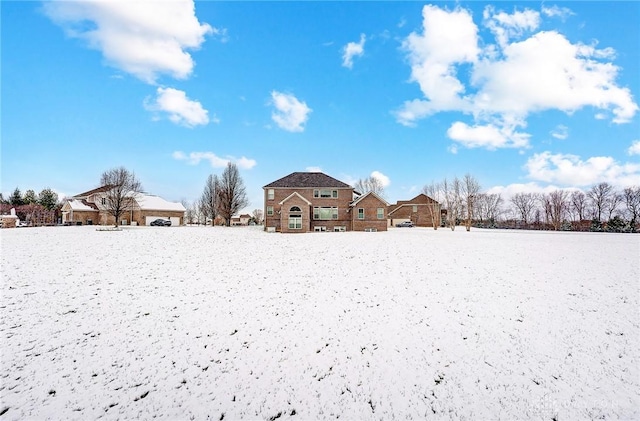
pixel 89 208
pixel 422 210
pixel 314 201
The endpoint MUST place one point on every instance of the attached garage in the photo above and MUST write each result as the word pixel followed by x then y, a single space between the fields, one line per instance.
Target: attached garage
pixel 175 220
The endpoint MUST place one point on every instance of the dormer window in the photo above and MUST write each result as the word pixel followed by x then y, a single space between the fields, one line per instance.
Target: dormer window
pixel 104 200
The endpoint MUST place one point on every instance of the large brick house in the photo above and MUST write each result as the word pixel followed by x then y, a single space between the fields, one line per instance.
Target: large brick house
pixel 89 208
pixel 314 201
pixel 422 210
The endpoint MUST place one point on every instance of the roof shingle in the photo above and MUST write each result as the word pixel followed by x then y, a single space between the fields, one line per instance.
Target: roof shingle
pixel 308 180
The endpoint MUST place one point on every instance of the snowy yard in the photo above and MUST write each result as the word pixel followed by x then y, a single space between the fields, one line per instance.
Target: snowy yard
pixel 213 323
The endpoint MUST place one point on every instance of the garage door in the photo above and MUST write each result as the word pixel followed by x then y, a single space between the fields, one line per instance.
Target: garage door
pixel 175 220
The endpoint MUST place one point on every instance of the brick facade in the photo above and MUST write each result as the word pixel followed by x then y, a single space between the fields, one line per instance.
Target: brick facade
pixel 307 202
pixel 421 210
pixel 281 210
pixel 89 209
pixel 372 220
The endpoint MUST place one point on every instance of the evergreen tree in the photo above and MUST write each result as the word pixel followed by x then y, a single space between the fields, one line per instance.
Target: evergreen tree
pixel 48 199
pixel 16 198
pixel 30 197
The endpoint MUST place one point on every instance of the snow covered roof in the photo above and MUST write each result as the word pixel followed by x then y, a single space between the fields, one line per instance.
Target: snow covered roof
pixel 80 205
pixel 150 202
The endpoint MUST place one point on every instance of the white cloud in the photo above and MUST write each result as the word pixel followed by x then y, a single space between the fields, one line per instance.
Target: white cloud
pixel 488 136
pixel 383 179
pixel 245 163
pixel 520 75
pixel 194 158
pixel 555 11
pixel 142 38
pixel 314 169
pixel 351 50
pixel 448 38
pixel 290 114
pixel 570 170
pixel 560 132
pixel 634 149
pixel 507 26
pixel 181 110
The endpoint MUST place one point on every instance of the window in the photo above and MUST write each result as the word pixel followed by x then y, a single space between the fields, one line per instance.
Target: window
pixel 270 194
pixel 326 194
pixel 360 213
pixel 325 213
pixel 295 222
pixel 380 213
pixel 270 210
pixel 104 201
pixel 295 218
pixel 415 208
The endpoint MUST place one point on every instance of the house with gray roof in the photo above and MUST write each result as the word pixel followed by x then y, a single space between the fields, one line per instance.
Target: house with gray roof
pixel 313 201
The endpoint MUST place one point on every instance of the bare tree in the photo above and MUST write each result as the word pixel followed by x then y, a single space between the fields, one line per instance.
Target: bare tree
pixel 524 204
pixel 368 184
pixel 555 206
pixel 470 191
pixel 123 186
pixel 615 200
pixel 232 195
pixel 451 192
pixel 632 202
pixel 599 196
pixel 191 212
pixel 257 216
pixel 209 201
pixel 434 191
pixel 488 206
pixel 578 202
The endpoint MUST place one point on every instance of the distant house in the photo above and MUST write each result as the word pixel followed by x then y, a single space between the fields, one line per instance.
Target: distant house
pixel 314 201
pixel 241 220
pixel 9 221
pixel 89 208
pixel 422 210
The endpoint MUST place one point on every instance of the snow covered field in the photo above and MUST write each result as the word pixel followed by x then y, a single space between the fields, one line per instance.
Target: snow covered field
pixel 229 323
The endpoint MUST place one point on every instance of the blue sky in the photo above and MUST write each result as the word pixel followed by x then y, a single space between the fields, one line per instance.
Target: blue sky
pixel 525 96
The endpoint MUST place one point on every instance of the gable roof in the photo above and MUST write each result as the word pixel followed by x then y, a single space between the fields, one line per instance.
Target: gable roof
pixel 96 190
pixel 308 180
pixel 80 205
pixel 295 193
pixel 369 194
pixel 150 202
pixel 421 199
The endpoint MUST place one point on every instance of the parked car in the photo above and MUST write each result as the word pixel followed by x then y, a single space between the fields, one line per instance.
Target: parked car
pixel 408 224
pixel 161 223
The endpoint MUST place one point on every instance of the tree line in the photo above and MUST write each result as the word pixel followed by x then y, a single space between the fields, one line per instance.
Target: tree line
pixel 602 207
pixel 36 209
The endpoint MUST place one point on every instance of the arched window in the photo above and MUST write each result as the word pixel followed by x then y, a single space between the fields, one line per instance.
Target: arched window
pixel 295 218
